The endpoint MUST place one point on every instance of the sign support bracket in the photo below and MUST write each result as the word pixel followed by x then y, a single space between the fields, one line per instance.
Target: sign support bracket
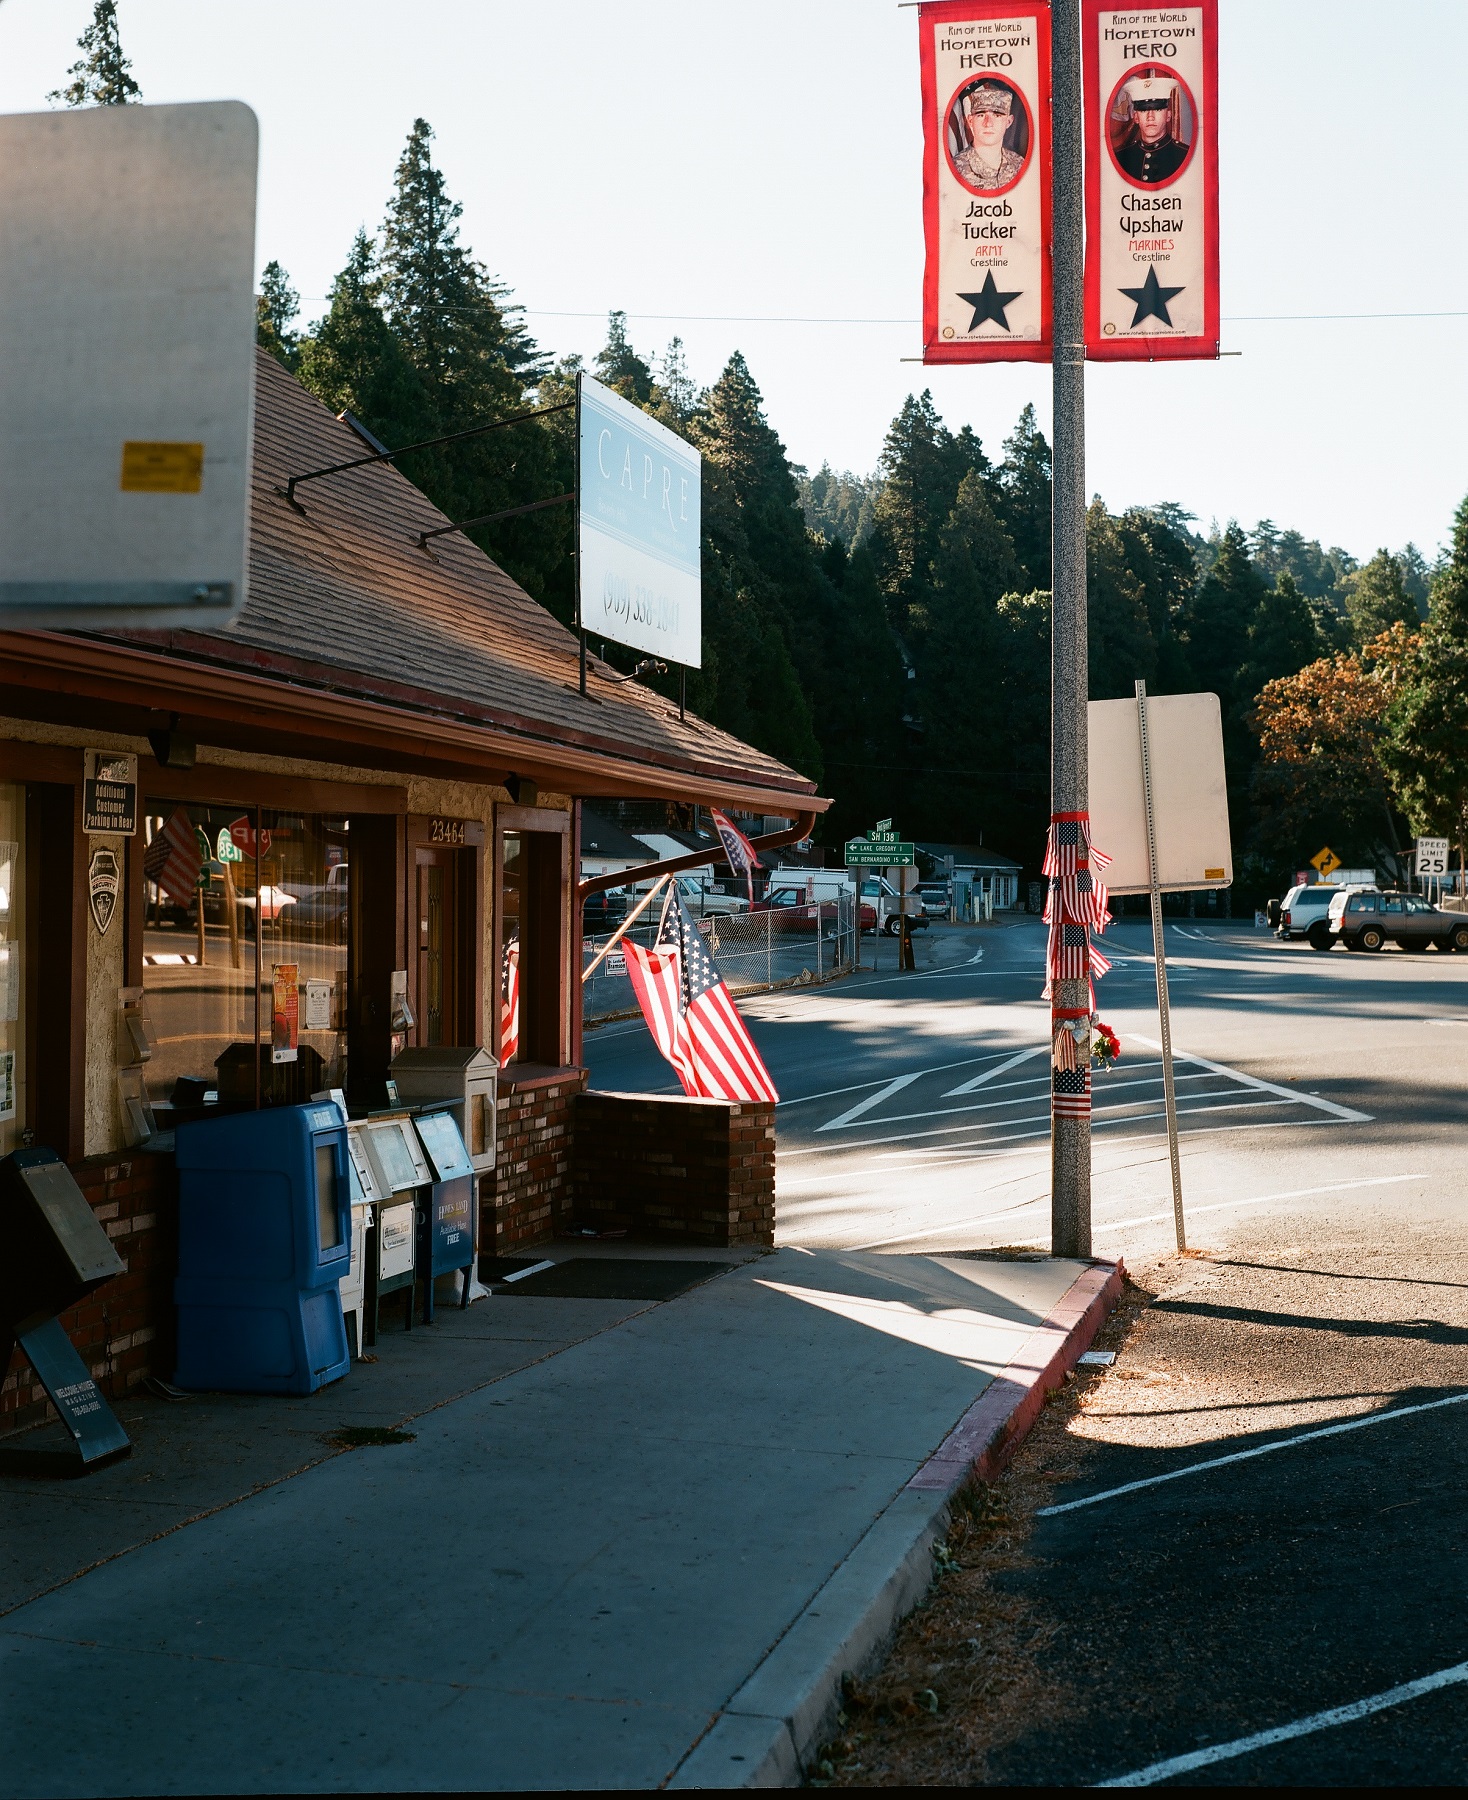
pixel 1159 957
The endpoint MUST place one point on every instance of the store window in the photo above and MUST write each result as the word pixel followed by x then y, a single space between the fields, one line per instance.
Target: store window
pixel 531 947
pixel 245 955
pixel 12 969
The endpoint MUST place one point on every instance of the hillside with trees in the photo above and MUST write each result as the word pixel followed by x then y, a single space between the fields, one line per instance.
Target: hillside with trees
pixel 888 634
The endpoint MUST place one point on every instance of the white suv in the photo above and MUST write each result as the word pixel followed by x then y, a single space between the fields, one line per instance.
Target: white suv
pixel 1305 906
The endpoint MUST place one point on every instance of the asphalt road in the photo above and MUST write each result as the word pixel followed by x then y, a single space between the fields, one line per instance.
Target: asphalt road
pixel 1315 1592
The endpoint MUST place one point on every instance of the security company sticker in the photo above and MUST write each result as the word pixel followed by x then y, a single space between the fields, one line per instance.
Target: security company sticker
pixel 104 878
pixel 986 181
pixel 1151 181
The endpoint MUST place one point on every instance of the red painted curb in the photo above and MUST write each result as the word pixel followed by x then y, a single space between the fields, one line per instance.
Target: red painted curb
pixel 995 1425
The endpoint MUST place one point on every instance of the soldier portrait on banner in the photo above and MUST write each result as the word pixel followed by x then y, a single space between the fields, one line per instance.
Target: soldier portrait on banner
pixel 988 135
pixel 1152 122
pixel 985 72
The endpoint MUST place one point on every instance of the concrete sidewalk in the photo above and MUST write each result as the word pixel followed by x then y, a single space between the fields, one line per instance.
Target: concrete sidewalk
pixel 639 1551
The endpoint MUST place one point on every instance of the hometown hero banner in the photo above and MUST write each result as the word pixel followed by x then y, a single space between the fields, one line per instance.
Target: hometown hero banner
pixel 1151 86
pixel 986 181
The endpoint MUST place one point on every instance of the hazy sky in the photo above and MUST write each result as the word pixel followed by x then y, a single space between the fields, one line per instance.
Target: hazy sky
pixel 718 171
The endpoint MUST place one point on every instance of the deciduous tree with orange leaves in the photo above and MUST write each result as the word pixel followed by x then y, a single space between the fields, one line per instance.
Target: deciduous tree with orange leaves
pixel 1320 778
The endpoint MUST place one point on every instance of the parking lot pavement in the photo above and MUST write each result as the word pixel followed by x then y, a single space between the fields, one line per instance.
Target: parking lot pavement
pixel 1240 1549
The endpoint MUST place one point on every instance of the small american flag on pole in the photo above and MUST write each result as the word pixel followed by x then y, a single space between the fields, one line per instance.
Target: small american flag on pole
pixel 742 855
pixel 1070 1093
pixel 693 1021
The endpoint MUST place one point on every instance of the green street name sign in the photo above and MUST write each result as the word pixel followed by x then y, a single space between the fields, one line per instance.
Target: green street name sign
pixel 879 853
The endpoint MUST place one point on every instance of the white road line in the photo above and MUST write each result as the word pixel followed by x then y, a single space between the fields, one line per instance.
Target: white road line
pixel 956 968
pixel 965 1062
pixel 988 1075
pixel 1335 1187
pixel 1281 1734
pixel 1269 1087
pixel 1219 1462
pixel 883 1093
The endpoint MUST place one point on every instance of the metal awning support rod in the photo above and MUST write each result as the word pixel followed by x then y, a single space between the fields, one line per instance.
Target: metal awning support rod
pixel 510 512
pixel 670 865
pixel 452 437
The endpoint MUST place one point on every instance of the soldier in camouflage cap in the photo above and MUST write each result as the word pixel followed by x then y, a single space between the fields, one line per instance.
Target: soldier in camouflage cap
pixel 988 110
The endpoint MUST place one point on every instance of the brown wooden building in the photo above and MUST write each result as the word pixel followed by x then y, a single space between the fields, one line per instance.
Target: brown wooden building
pixel 384 758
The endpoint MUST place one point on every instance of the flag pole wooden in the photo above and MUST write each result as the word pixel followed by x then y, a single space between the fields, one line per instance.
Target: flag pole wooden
pixel 626 925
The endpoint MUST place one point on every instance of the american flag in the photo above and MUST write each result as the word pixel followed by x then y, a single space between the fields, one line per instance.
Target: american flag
pixel 742 855
pixel 510 1006
pixel 1065 845
pixel 1063 1051
pixel 173 859
pixel 1068 959
pixel 693 1021
pixel 1070 1093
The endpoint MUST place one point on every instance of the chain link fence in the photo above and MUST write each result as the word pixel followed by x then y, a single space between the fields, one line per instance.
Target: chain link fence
pixel 753 952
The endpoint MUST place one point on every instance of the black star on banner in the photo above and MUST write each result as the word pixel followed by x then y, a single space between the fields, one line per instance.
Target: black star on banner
pixel 1151 299
pixel 989 303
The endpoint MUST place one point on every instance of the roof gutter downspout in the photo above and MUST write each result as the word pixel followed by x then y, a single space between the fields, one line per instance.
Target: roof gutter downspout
pixel 804 825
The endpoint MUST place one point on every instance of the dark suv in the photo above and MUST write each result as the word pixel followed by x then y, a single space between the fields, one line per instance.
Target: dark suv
pixel 1363 920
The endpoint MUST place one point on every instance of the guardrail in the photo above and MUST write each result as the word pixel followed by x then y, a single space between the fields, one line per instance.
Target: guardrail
pixel 753 951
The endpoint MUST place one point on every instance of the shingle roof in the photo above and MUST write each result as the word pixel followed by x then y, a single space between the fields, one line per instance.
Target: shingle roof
pixel 605 837
pixel 341 594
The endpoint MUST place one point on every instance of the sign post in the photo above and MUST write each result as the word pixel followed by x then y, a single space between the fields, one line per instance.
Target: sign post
pixel 1431 861
pixel 1159 959
pixel 883 849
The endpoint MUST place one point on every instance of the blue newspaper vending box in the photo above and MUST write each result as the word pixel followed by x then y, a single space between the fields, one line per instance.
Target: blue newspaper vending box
pixel 264 1236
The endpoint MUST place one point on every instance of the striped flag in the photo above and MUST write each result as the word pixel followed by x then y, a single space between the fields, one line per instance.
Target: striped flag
pixel 510 1005
pixel 694 1022
pixel 742 855
pixel 1070 1093
pixel 173 859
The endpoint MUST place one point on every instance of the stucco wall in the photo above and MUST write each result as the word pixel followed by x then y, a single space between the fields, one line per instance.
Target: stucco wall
pixel 105 955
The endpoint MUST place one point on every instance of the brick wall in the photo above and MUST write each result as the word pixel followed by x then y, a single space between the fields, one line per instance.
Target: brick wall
pixel 124 1330
pixel 690 1171
pixel 528 1197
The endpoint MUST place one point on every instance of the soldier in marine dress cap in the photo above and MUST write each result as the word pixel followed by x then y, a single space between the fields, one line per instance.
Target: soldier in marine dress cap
pixel 1151 154
pixel 988 107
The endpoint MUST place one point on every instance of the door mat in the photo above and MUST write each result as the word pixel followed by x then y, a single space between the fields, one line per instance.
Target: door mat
pixel 614 1278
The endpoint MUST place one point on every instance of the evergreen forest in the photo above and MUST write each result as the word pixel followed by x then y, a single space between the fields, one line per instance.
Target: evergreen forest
pixel 887 635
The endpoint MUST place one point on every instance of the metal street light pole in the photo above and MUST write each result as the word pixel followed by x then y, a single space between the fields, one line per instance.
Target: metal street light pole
pixel 1070 1139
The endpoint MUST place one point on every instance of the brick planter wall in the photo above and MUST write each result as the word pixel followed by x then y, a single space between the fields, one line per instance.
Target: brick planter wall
pixel 689 1171
pixel 125 1330
pixel 528 1197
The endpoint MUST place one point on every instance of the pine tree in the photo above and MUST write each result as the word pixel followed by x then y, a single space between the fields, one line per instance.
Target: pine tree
pixel 277 305
pixel 674 394
pixel 1024 482
pixel 1220 615
pixel 619 367
pixel 1377 599
pixel 354 362
pixel 919 486
pixel 1426 749
pixel 103 75
pixel 474 360
pixel 1119 633
pixel 1283 638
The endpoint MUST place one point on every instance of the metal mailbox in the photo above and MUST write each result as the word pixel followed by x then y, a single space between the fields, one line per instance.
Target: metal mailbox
pixel 462 1077
pixel 446 1221
pixel 264 1239
pixel 366 1196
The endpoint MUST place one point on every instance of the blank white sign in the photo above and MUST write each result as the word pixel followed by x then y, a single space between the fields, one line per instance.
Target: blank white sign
pixel 127 345
pixel 1189 792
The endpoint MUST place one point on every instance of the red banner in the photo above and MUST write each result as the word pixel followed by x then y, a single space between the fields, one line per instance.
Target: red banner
pixel 1151 106
pixel 986 180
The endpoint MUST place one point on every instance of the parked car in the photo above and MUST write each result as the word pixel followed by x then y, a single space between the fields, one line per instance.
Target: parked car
pixel 1365 919
pixel 890 905
pixel 796 911
pixel 1303 907
pixel 700 896
pixel 937 898
pixel 603 911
